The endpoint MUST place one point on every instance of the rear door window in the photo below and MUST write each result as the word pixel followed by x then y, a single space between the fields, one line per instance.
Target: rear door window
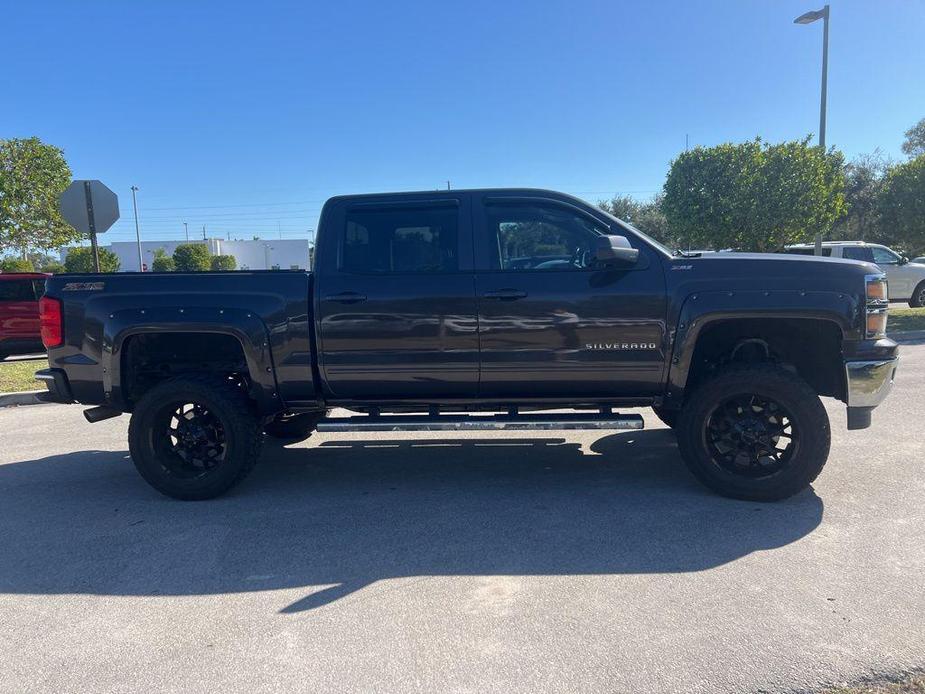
pixel 401 240
pixel 826 252
pixel 858 253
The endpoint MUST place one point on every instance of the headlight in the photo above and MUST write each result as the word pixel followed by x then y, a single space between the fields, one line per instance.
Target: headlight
pixel 877 305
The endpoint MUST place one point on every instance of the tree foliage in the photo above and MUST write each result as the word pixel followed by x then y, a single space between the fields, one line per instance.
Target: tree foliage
pixel 80 259
pixel 647 216
pixel 162 262
pixel 914 144
pixel 10 264
pixel 192 257
pixel 864 178
pixel 32 176
pixel 754 196
pixel 902 205
pixel 224 263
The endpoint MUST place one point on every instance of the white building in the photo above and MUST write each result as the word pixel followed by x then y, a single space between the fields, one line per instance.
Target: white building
pixel 269 254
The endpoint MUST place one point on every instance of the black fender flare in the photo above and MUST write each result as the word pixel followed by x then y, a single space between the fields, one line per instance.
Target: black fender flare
pixel 702 309
pixel 245 326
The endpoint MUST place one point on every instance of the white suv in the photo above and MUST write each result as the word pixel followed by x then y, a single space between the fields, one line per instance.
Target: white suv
pixel 906 280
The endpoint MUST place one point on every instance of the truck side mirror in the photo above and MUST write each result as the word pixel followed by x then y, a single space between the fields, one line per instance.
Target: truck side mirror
pixel 615 250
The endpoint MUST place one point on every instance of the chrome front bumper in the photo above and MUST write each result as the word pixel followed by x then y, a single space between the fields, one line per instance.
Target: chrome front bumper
pixel 869 382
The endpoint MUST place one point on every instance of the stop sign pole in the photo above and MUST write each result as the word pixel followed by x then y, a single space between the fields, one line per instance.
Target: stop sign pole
pixel 91 221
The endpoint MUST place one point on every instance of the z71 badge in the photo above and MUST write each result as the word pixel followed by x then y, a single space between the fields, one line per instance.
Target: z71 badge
pixel 83 287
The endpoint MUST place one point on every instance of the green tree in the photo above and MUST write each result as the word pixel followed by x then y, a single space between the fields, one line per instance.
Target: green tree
pixel 754 196
pixel 647 216
pixel 864 177
pixel 914 144
pixel 32 176
pixel 901 205
pixel 16 265
pixel 224 263
pixel 162 262
pixel 192 257
pixel 80 259
pixel 54 267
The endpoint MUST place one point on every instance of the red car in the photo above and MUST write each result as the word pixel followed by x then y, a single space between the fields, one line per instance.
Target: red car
pixel 19 312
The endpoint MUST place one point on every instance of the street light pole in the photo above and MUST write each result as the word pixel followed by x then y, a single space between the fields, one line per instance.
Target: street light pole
pixel 825 74
pixel 809 18
pixel 141 264
pixel 186 229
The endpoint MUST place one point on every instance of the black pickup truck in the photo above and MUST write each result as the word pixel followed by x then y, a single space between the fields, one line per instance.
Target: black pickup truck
pixel 474 310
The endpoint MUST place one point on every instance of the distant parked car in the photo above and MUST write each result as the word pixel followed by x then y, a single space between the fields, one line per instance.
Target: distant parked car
pixel 919 260
pixel 19 313
pixel 906 279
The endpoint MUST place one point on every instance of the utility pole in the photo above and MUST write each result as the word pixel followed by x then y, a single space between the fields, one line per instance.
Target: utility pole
pixel 186 229
pixel 141 263
pixel 447 185
pixel 203 232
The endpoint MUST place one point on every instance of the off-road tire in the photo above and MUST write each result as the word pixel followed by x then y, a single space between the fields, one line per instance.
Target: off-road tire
pixel 297 427
pixel 228 403
pixel 918 296
pixel 804 409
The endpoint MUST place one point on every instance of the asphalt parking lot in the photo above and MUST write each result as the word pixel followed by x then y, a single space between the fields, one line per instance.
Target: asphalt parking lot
pixel 481 563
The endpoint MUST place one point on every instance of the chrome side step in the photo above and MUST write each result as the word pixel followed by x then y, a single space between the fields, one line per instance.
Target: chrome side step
pixel 509 422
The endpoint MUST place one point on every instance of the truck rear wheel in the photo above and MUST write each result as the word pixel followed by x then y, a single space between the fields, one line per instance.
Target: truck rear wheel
pixel 754 431
pixel 292 427
pixel 194 437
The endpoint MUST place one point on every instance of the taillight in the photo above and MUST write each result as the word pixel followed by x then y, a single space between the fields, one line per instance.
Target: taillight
pixel 51 322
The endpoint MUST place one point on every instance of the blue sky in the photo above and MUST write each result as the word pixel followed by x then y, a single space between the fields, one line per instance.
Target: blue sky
pixel 246 116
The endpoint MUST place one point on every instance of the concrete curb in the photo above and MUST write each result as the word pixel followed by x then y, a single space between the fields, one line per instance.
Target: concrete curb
pixel 29 397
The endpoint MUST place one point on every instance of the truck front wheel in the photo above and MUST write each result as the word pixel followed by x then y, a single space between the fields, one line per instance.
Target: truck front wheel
pixel 754 431
pixel 194 437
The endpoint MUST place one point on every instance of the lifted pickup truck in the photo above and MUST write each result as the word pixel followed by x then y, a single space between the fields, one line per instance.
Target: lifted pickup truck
pixel 480 309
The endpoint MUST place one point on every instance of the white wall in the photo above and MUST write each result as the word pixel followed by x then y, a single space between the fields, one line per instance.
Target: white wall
pixel 285 254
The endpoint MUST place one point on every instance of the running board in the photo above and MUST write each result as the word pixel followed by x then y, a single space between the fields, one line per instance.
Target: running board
pixel 518 422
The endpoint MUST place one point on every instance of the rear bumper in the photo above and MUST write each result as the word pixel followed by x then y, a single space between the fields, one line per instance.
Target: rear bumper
pixel 59 390
pixel 869 381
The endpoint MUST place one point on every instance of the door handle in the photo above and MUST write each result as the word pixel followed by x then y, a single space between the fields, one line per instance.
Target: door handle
pixel 505 294
pixel 346 297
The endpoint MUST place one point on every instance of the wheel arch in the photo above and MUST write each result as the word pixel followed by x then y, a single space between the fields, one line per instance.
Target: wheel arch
pixel 806 338
pixel 246 330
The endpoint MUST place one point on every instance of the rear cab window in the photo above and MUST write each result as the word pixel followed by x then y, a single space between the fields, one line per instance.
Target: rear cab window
pixel 21 290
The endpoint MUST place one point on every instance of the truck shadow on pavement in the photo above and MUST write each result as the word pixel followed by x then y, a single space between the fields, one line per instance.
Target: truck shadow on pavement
pixel 337 517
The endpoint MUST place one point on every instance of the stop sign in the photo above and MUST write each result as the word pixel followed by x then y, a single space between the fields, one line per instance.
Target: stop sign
pixel 89 206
